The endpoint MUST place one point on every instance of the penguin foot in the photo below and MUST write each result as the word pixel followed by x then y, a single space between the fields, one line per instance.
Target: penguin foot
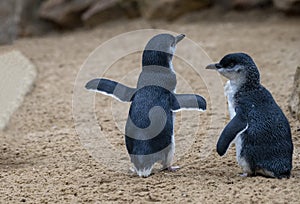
pixel 140 172
pixel 131 170
pixel 266 173
pixel 172 168
pixel 244 175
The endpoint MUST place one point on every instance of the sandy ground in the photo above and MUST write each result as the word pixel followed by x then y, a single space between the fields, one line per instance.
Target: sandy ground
pixel 42 159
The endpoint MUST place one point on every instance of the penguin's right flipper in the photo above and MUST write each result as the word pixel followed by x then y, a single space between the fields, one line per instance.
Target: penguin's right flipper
pixel 236 126
pixel 187 102
pixel 111 88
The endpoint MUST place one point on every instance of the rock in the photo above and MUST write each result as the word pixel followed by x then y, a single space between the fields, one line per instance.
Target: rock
pixel 9 18
pixel 107 10
pixel 289 6
pixel 66 13
pixel 170 9
pixel 131 8
pixel 294 103
pixel 20 18
pixel 102 11
pixel 16 79
pixel 244 4
pixel 75 13
pixel 30 24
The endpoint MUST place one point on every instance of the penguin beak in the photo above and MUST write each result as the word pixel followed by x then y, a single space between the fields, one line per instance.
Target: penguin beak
pixel 178 38
pixel 213 66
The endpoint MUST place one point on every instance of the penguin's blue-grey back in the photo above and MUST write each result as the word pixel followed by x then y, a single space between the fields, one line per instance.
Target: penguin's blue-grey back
pixel 144 100
pixel 156 84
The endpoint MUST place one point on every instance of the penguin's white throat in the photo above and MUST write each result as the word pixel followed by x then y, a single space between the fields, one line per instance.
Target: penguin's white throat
pixel 237 82
pixel 230 90
pixel 235 79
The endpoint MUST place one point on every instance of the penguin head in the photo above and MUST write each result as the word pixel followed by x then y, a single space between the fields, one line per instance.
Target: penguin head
pixel 160 50
pixel 238 67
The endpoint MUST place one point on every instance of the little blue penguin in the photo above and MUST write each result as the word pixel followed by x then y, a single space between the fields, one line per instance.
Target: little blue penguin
pixel 149 131
pixel 258 127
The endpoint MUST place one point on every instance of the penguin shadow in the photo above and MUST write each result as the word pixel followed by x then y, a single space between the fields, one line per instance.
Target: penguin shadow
pixel 296 166
pixel 295 173
pixel 14 154
pixel 157 171
pixel 13 158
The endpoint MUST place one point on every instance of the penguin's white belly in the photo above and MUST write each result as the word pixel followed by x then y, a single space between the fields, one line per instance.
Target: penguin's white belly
pixel 238 146
pixel 230 90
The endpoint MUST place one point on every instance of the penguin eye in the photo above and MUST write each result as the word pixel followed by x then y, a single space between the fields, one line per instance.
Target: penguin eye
pixel 231 64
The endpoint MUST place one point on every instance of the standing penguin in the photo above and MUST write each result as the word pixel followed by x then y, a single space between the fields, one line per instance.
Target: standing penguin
pixel 258 126
pixel 149 131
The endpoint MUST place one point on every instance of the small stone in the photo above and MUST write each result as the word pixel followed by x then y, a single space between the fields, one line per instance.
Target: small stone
pixel 294 102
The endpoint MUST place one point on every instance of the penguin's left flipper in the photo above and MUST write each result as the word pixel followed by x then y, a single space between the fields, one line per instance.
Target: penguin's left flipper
pixel 188 102
pixel 111 88
pixel 237 125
